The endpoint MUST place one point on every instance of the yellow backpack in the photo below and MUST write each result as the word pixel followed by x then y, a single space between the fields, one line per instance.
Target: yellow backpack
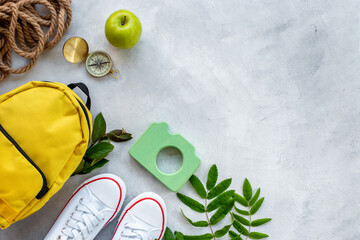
pixel 44 133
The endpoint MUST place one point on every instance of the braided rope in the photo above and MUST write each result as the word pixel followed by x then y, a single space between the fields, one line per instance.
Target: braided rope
pixel 24 31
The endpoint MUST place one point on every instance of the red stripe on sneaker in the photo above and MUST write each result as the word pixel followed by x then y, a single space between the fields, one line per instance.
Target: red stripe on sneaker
pixel 147 198
pixel 117 207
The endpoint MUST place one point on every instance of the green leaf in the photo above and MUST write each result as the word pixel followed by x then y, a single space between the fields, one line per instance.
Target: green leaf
pixel 241 200
pixel 257 235
pixel 220 188
pixel 223 231
pixel 212 177
pixel 99 128
pixel 259 222
pixel 247 190
pixel 237 237
pixel 255 197
pixel 243 212
pixel 256 206
pixel 240 228
pixel 95 161
pixel 195 224
pixel 80 167
pixel 168 235
pixel 222 212
pixel 217 202
pixel 191 203
pixel 232 234
pixel 198 186
pixel 99 151
pixel 97 165
pixel 87 162
pixel 119 135
pixel 241 219
pixel 206 236
pixel 179 236
pixel 106 140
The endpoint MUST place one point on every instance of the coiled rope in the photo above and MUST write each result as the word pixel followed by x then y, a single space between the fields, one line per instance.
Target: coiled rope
pixel 26 32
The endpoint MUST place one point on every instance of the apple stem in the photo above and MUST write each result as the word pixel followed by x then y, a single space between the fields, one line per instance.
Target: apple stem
pixel 123 21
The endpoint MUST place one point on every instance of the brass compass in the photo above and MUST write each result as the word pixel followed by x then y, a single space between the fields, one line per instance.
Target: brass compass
pixel 98 63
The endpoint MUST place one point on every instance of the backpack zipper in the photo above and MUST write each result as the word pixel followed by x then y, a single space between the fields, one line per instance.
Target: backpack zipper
pixel 44 187
pixel 86 116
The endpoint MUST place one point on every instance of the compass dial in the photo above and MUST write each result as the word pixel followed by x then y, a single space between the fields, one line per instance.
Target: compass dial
pixel 98 63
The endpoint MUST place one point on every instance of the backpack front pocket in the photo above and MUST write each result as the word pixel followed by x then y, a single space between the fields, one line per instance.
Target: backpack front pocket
pixel 21 180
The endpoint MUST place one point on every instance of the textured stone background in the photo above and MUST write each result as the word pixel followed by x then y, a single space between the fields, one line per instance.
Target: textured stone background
pixel 268 90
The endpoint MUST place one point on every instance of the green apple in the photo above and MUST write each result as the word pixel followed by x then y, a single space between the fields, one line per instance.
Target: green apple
pixel 123 29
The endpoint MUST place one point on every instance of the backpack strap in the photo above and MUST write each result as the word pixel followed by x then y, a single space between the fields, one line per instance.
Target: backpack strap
pixel 85 90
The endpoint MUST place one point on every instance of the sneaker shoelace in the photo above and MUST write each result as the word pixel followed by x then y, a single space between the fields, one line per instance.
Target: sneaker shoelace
pixel 138 229
pixel 133 232
pixel 83 221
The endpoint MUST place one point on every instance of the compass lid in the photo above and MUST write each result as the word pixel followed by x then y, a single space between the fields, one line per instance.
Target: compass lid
pixel 75 49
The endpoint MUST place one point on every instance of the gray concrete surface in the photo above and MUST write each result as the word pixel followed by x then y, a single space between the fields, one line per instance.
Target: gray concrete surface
pixel 268 90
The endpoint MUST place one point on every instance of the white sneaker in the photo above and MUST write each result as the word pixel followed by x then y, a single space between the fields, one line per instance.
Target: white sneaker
pixel 143 218
pixel 93 205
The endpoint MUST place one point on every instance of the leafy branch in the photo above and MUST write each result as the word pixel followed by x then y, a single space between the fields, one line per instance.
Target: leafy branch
pixel 222 202
pixel 100 146
pixel 218 197
pixel 252 205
